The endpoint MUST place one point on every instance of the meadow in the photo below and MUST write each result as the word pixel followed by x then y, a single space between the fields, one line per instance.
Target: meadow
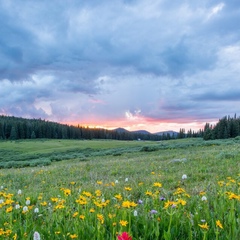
pixel 107 190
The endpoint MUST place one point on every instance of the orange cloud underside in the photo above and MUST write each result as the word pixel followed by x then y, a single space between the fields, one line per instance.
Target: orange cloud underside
pixel 151 125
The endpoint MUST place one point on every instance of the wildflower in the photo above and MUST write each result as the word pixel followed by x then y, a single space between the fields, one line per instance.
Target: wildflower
pixel 99 182
pixel 36 210
pixel 98 193
pixel 28 202
pixel 92 210
pixel 25 209
pixel 124 236
pixel 184 176
pixel 100 218
pixel 157 184
pixel 36 236
pixel 118 196
pixel 128 188
pixel 140 201
pixel 82 217
pixel 17 206
pixel 9 209
pixel 204 198
pixel 123 223
pixel 73 236
pixel 153 211
pixel 116 181
pixel 75 214
pixel 19 192
pixel 218 224
pixel 43 203
pixel 148 193
pixel 162 198
pixel 126 179
pixel 204 226
pixel 135 213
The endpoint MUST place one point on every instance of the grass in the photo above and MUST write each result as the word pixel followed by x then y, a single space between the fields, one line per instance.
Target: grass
pixel 106 188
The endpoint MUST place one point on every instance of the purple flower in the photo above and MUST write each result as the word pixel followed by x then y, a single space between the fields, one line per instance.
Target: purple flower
pixel 153 211
pixel 162 198
pixel 140 201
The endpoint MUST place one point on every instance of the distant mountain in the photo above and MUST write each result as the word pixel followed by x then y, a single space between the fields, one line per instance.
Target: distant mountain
pixel 120 130
pixel 141 132
pixel 170 132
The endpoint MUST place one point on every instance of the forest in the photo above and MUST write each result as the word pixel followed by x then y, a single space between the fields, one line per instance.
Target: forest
pixel 14 128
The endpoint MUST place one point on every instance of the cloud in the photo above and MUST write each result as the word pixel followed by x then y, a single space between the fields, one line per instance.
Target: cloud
pixel 90 61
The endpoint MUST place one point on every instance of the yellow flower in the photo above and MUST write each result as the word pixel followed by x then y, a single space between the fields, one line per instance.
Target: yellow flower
pixel 179 191
pixel 123 223
pixel 9 209
pixel 157 184
pixel 87 194
pixel 100 218
pixel 67 192
pixel 218 224
pixel 75 214
pixel 54 199
pixel 169 203
pixel 82 217
pixel 182 202
pixel 128 188
pixel 43 203
pixel 99 182
pixel 148 193
pixel 126 204
pixel 98 193
pixel 204 226
pixel 118 197
pixel 92 210
pixel 73 236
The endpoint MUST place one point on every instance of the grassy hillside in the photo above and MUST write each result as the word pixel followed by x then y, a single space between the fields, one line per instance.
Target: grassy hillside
pixel 106 188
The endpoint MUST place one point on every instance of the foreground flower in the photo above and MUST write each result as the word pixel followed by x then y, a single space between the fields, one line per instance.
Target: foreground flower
pixel 124 236
pixel 203 226
pixel 36 236
pixel 218 224
pixel 123 223
pixel 184 176
pixel 204 198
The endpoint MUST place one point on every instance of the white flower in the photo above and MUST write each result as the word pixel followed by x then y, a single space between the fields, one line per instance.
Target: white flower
pixel 19 192
pixel 17 206
pixel 135 213
pixel 126 179
pixel 28 202
pixel 1 201
pixel 25 209
pixel 204 198
pixel 2 187
pixel 184 176
pixel 36 210
pixel 36 236
pixel 116 181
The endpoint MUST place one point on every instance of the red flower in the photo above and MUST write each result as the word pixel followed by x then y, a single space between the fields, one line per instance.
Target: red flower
pixel 124 236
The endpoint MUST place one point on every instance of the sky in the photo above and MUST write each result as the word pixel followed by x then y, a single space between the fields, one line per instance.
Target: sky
pixel 156 65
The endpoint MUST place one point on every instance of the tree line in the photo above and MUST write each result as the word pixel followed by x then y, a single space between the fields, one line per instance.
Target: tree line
pixel 14 128
pixel 227 127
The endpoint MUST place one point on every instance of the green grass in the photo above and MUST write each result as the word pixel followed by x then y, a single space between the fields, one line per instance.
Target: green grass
pixel 105 165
